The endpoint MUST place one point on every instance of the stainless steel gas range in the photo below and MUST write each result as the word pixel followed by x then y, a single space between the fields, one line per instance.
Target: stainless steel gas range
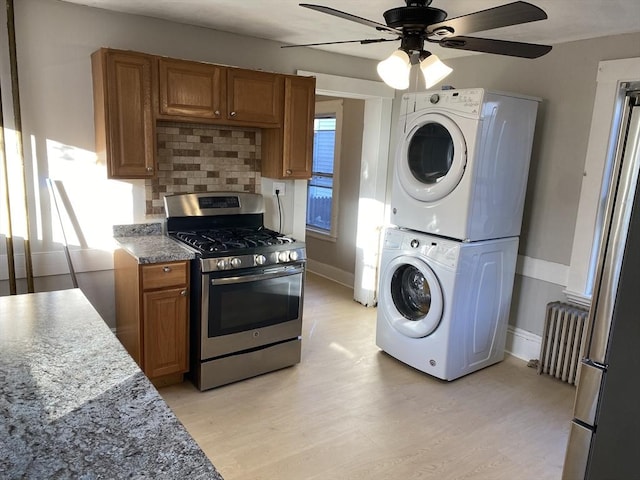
pixel 247 286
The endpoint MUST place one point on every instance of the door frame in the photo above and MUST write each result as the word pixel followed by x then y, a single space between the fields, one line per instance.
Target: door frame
pixel 373 205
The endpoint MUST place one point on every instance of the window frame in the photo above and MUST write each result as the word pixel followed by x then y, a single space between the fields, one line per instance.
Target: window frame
pixel 324 109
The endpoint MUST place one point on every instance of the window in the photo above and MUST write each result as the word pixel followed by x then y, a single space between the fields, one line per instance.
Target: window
pixel 323 187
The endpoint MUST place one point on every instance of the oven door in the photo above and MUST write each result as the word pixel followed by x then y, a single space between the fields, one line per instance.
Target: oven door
pixel 251 309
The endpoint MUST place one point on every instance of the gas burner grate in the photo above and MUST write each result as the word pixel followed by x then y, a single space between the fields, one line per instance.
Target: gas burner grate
pixel 231 239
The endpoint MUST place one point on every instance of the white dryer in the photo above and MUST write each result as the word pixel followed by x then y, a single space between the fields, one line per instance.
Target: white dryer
pixel 444 305
pixel 462 163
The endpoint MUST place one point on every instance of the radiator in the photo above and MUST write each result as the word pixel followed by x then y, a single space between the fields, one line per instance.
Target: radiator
pixel 562 341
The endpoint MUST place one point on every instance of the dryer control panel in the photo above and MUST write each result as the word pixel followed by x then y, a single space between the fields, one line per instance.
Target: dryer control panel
pixel 467 100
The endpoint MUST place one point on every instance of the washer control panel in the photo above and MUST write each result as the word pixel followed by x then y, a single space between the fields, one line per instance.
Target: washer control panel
pixel 437 249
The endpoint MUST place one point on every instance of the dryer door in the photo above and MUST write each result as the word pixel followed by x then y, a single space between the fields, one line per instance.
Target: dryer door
pixel 431 158
pixel 411 296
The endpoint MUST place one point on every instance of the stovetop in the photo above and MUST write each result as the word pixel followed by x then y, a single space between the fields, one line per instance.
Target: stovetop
pixel 226 231
pixel 225 240
pixel 230 249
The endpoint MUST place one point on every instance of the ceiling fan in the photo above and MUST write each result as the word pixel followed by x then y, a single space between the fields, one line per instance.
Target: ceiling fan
pixel 418 22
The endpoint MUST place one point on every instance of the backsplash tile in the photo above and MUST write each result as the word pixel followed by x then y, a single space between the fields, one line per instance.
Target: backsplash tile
pixel 203 158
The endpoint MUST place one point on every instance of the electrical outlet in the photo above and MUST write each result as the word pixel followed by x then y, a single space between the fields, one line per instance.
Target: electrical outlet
pixel 280 187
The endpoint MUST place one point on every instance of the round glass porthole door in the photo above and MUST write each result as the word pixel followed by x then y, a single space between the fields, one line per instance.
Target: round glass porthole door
pixel 433 156
pixel 411 297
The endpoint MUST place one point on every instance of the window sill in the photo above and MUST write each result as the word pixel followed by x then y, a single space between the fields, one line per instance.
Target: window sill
pixel 320 235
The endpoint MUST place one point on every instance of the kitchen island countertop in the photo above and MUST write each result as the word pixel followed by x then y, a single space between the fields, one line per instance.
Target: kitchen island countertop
pixel 74 404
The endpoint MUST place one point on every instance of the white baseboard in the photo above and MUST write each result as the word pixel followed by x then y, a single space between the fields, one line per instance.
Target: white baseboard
pixel 330 272
pixel 522 344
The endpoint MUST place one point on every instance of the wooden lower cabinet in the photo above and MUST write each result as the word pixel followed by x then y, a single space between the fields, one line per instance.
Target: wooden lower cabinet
pixel 152 316
pixel 165 331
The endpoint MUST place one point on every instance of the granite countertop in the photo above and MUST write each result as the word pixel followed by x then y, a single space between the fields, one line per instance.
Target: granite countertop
pixel 74 404
pixel 147 244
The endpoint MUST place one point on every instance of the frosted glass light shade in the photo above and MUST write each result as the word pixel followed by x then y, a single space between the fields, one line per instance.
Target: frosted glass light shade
pixel 433 70
pixel 395 70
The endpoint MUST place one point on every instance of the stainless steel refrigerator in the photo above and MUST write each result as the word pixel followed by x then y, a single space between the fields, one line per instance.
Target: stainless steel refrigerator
pixel 604 441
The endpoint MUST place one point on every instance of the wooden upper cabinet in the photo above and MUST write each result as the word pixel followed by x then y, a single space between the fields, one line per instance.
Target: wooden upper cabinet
pixel 124 112
pixel 254 97
pixel 299 107
pixel 191 89
pixel 287 152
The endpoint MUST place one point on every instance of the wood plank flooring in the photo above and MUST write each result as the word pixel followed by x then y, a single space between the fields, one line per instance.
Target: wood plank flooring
pixel 350 411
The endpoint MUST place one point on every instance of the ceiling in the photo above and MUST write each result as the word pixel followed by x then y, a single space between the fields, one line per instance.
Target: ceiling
pixel 285 21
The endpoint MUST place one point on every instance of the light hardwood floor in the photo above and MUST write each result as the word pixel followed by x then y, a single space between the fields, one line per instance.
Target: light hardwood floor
pixel 350 411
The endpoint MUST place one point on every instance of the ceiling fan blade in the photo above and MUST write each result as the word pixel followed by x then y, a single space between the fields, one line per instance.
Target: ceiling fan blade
pixel 363 42
pixel 498 47
pixel 353 18
pixel 513 13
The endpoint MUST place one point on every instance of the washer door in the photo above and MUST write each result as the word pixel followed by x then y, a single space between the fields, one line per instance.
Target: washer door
pixel 411 297
pixel 432 157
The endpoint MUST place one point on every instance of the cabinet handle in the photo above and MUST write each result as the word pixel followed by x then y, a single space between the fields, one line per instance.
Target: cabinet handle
pixel 149 169
pixel 166 269
pixel 217 113
pixel 233 114
pixel 183 293
pixel 289 172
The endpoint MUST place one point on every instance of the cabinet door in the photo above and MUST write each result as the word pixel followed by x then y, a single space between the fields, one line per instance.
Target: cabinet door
pixel 299 109
pixel 254 96
pixel 191 89
pixel 165 332
pixel 125 130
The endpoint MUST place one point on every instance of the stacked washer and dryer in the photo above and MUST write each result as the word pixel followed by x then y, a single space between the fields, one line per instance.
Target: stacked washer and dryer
pixel 448 264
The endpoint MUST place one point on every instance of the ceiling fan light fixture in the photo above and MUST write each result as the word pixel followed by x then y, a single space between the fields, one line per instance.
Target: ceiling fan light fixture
pixel 395 70
pixel 433 70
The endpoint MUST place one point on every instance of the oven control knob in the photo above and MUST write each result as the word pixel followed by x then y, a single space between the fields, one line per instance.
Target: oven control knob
pixel 235 262
pixel 283 256
pixel 222 264
pixel 293 255
pixel 261 259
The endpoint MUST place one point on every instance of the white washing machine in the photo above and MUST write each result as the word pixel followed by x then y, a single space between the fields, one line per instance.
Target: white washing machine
pixel 462 163
pixel 444 305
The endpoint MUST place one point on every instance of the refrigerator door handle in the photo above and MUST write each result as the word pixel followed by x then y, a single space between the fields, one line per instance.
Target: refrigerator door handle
pixel 593 363
pixel 587 393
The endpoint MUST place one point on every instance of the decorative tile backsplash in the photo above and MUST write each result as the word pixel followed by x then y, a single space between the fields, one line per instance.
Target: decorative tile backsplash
pixel 195 158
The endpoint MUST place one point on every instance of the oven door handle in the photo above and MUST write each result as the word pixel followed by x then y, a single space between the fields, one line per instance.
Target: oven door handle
pixel 266 275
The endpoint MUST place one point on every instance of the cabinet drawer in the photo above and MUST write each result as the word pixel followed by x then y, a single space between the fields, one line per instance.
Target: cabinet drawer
pixel 164 275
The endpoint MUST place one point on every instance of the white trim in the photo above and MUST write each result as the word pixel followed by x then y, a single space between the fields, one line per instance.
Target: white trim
pixel 347 87
pixel 55 263
pixel 578 298
pixel 610 74
pixel 522 344
pixel 330 272
pixel 542 270
pixel 321 235
pixel 332 107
